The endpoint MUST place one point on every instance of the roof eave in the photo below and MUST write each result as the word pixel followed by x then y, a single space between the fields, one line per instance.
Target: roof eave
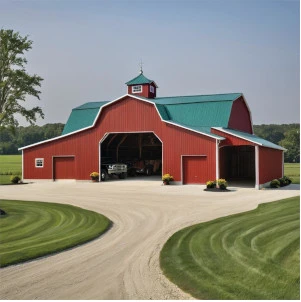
pixel 249 140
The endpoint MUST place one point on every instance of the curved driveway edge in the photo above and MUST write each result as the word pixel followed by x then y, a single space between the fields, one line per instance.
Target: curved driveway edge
pixel 124 262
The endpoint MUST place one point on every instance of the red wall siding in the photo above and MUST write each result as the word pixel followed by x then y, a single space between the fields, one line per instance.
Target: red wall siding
pixel 126 115
pixel 231 140
pixel 240 118
pixel 270 164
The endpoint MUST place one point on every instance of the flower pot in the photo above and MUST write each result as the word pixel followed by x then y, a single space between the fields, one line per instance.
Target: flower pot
pixel 165 182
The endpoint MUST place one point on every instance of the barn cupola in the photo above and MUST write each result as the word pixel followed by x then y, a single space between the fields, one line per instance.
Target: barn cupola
pixel 142 86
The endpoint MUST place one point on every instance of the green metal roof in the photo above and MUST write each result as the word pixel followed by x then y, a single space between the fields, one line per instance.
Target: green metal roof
pixel 205 114
pixel 197 98
pixel 91 105
pixel 82 116
pixel 251 137
pixel 198 112
pixel 139 80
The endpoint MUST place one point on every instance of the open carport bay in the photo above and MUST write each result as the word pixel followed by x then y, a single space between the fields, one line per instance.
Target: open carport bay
pixel 142 152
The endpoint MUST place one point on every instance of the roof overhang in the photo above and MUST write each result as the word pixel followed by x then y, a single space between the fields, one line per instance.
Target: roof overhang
pixel 248 137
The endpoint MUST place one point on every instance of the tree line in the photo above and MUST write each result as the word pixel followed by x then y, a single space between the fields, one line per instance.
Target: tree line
pixel 285 135
pixel 10 141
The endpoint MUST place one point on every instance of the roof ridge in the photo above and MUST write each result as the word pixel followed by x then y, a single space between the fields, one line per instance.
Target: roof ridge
pixel 185 96
pixel 186 103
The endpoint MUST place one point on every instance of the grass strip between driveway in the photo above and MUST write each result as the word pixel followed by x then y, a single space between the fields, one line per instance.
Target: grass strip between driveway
pixel 252 255
pixel 34 229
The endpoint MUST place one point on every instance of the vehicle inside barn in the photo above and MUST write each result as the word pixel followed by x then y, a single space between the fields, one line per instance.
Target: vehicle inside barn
pixel 141 152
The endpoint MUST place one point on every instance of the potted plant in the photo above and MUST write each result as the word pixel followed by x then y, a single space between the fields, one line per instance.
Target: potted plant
pixel 222 184
pixel 167 178
pixel 94 176
pixel 211 184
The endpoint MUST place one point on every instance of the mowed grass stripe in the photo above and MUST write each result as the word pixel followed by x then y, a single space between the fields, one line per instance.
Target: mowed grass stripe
pixel 35 229
pixel 252 255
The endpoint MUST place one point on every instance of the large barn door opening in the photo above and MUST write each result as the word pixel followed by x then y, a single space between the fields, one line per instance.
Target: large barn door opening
pixel 194 169
pixel 63 168
pixel 237 163
pixel 141 152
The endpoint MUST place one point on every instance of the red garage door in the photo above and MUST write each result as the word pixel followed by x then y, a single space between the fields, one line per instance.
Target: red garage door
pixel 194 169
pixel 63 168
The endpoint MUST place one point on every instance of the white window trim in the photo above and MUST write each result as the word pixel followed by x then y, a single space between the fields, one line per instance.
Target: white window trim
pixel 36 162
pixel 152 89
pixel 137 91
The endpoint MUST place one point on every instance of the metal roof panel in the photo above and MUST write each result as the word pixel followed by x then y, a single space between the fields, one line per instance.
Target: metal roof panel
pixel 140 79
pixel 197 98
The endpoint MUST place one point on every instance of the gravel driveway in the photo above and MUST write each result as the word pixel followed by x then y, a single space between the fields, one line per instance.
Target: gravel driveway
pixel 124 262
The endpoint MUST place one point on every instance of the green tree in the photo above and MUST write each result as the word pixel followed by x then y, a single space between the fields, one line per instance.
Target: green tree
pixel 15 83
pixel 291 142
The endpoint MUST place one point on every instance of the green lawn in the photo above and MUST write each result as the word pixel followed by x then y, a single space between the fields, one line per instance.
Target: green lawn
pixel 35 229
pixel 10 165
pixel 252 255
pixel 293 171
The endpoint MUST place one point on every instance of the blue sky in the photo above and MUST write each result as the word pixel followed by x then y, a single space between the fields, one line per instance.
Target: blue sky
pixel 87 50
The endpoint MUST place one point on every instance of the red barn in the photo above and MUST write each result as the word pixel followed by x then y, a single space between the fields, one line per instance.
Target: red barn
pixel 197 138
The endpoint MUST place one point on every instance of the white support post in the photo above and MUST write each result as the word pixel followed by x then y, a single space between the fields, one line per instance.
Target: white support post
pixel 22 165
pixel 217 160
pixel 257 167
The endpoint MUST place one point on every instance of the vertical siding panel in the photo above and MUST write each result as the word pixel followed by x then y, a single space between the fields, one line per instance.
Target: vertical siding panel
pixel 240 118
pixel 270 164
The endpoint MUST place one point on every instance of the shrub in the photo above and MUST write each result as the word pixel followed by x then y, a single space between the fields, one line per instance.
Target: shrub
pixel 211 184
pixel 284 181
pixel 287 180
pixel 222 183
pixel 275 183
pixel 15 179
pixel 281 182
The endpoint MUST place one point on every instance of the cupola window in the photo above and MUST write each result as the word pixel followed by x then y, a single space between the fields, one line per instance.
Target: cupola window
pixel 151 89
pixel 137 89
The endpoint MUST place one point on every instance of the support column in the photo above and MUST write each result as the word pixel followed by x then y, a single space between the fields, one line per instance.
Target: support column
pixel 217 160
pixel 257 167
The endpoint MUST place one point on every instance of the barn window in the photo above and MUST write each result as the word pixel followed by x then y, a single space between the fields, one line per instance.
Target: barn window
pixel 151 89
pixel 137 89
pixel 39 162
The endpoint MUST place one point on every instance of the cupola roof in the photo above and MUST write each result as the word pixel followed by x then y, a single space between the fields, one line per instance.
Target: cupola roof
pixel 140 80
